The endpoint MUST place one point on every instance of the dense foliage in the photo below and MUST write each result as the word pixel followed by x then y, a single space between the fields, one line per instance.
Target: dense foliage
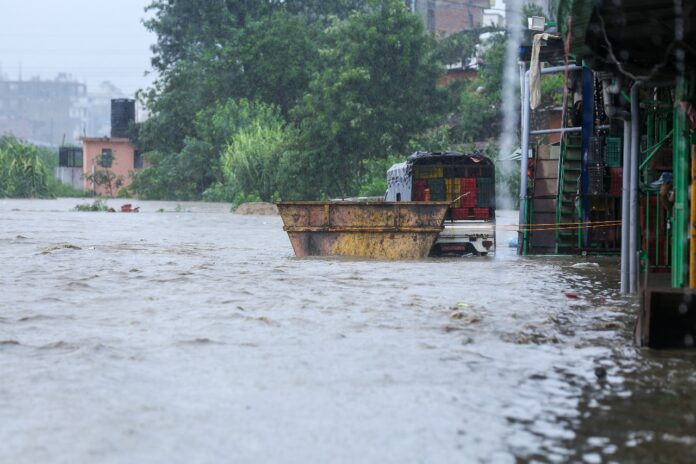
pixel 26 171
pixel 267 99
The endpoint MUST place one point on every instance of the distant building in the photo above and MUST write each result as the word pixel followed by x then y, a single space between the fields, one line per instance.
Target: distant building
pixel 447 17
pixel 115 156
pixel 43 112
pixel 107 162
pixel 55 112
pixel 495 15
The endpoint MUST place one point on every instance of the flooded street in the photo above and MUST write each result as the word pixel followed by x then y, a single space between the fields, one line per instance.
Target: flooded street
pixel 195 335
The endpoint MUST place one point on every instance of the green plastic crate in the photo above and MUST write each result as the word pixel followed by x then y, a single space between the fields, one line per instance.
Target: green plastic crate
pixel 612 152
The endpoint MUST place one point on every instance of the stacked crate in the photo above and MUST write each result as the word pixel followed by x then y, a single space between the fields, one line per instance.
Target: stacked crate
pixel 419 188
pixel 422 178
pixel 482 214
pixel 437 189
pixel 460 214
pixel 471 195
pixel 485 197
pixel 452 192
pixel 427 172
pixel 467 187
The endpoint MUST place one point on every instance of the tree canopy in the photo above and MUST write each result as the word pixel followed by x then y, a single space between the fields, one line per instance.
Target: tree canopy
pixel 351 84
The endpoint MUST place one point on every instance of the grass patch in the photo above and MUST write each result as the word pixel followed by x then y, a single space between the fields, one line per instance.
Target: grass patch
pixel 96 205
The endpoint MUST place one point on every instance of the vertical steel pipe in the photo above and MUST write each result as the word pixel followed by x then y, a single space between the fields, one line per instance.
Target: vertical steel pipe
pixel 692 221
pixel 524 162
pixel 633 190
pixel 625 206
pixel 523 70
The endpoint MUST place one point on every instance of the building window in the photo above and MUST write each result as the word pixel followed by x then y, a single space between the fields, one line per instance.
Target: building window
pixel 70 157
pixel 137 160
pixel 76 158
pixel 107 158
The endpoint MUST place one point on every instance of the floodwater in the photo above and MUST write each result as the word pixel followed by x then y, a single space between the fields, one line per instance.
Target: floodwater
pixel 194 335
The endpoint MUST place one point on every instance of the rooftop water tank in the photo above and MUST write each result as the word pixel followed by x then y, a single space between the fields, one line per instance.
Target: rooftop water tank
pixel 122 116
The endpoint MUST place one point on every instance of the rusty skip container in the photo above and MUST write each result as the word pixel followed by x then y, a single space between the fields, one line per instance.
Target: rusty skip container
pixel 367 229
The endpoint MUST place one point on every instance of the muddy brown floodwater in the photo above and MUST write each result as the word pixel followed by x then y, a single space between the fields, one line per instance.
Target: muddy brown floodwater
pixel 194 335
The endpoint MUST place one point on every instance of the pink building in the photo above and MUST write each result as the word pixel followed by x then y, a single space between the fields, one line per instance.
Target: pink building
pixel 109 161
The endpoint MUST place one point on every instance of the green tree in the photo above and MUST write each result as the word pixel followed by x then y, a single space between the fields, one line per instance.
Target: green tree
pixel 279 56
pixel 104 176
pixel 163 178
pixel 478 111
pixel 529 10
pixel 462 46
pixel 208 51
pixel 253 161
pixel 376 89
pixel 189 173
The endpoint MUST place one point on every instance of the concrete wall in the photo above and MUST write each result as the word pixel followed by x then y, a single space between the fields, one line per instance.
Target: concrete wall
pixel 70 176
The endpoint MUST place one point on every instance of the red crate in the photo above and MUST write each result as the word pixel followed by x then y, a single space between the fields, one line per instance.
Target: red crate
pixel 468 185
pixel 616 183
pixel 482 213
pixel 419 187
pixel 460 214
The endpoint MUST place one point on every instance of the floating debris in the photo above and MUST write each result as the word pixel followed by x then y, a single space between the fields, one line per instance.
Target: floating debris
pixel 465 318
pixel 585 265
pixel 59 247
pixel 610 325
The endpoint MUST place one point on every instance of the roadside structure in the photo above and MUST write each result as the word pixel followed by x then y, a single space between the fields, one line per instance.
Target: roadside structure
pixel 108 162
pixel 620 180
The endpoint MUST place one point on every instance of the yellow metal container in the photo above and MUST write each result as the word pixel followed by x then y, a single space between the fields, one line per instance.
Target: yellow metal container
pixel 379 230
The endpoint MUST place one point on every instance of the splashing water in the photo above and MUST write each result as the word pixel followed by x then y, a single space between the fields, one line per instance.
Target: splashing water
pixel 510 103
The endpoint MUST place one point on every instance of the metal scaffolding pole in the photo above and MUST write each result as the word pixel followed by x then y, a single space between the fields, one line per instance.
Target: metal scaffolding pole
pixel 524 163
pixel 633 190
pixel 625 206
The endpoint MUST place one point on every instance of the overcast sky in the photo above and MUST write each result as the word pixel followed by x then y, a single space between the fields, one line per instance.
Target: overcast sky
pixel 93 40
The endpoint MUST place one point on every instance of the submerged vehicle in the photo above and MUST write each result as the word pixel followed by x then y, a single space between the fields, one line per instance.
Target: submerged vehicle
pixel 466 182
